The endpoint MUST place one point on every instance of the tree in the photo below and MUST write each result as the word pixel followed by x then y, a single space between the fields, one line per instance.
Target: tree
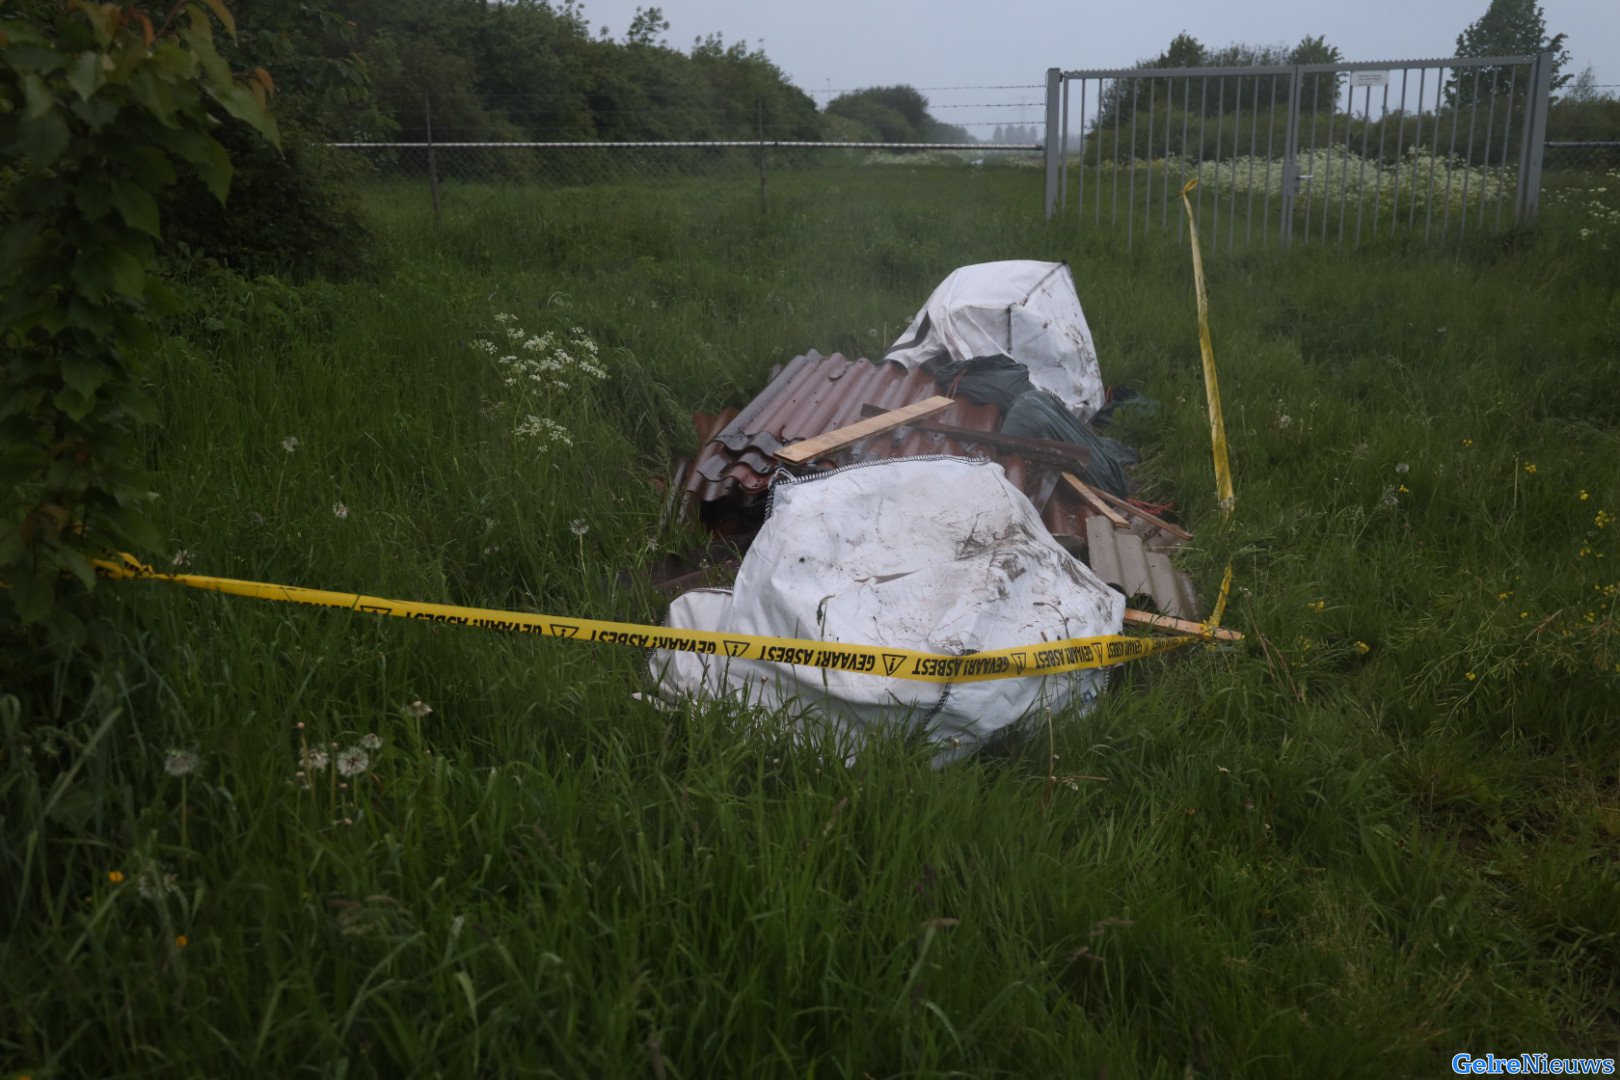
pixel 893 114
pixel 1510 28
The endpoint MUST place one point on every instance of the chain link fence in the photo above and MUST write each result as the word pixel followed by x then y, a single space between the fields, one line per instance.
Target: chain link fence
pixel 458 170
pixel 1588 155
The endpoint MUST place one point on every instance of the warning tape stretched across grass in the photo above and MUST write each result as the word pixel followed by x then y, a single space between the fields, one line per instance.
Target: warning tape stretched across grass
pixel 1043 658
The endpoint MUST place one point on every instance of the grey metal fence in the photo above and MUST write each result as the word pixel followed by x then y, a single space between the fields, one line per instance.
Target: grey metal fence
pixel 1339 152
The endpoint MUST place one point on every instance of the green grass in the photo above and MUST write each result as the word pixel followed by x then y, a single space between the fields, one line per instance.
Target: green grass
pixel 1303 857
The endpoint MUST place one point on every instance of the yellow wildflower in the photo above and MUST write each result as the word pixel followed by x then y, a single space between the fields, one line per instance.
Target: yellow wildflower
pixel 1582 495
pixel 1317 605
pixel 115 876
pixel 181 941
pixel 1530 467
pixel 1404 490
pixel 1363 648
pixel 1602 519
pixel 1468 442
pixel 1470 676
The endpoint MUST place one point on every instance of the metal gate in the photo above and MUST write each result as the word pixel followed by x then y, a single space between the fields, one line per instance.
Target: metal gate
pixel 1301 152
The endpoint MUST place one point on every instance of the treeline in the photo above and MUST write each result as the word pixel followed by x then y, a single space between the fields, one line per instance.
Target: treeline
pixel 533 70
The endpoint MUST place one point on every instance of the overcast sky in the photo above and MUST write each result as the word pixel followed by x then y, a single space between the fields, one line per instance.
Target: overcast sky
pixel 827 46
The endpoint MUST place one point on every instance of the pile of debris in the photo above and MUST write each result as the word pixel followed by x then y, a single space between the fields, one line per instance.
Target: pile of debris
pixel 880 502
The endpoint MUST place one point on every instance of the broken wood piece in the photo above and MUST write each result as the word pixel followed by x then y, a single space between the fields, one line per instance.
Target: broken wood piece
pixel 809 449
pixel 1178 626
pixel 1092 497
pixel 1132 508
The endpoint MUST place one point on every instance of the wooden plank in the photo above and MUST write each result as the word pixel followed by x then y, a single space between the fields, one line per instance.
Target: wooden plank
pixel 809 449
pixel 1095 500
pixel 1177 626
pixel 1132 508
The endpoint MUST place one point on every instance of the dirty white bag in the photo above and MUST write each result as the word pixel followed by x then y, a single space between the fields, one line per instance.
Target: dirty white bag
pixel 936 554
pixel 1025 309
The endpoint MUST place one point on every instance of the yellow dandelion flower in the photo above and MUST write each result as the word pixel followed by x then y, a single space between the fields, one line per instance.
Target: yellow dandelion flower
pixel 1404 490
pixel 1524 614
pixel 1363 648
pixel 115 876
pixel 1582 495
pixel 1504 595
pixel 1602 519
pixel 1317 605
pixel 181 941
pixel 1470 676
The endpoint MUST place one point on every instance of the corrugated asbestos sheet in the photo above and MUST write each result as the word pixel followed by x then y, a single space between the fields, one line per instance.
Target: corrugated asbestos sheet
pixel 815 394
pixel 1137 566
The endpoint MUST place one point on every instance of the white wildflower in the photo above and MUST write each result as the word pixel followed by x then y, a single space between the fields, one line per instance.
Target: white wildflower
pixel 578 527
pixel 505 317
pixel 181 558
pixel 353 761
pixel 313 761
pixel 1402 468
pixel 180 762
pixel 290 443
pixel 340 511
pixel 418 709
pixel 371 741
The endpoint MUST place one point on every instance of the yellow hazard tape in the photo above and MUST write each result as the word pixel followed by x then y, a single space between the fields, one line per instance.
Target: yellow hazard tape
pixel 1212 392
pixel 1212 389
pixel 1045 658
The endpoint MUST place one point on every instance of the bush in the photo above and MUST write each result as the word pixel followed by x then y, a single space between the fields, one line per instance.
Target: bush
pixel 292 214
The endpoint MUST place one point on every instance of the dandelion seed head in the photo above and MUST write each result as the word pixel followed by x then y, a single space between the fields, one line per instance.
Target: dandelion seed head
pixel 290 443
pixel 340 511
pixel 578 527
pixel 353 761
pixel 418 709
pixel 180 762
pixel 314 760
pixel 371 741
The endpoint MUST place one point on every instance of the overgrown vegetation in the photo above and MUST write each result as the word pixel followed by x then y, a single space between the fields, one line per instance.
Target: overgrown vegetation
pixel 101 108
pixel 1386 829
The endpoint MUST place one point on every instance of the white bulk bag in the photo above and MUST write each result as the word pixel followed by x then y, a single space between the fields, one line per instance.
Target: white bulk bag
pixel 936 554
pixel 1027 310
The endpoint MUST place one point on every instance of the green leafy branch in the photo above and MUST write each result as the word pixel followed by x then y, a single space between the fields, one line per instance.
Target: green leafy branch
pixel 100 110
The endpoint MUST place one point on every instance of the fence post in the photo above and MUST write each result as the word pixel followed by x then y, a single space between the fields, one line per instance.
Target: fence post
pixel 764 201
pixel 1290 169
pixel 1054 151
pixel 433 171
pixel 1535 138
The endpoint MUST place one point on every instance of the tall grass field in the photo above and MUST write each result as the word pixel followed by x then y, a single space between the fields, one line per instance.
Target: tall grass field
pixel 274 840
